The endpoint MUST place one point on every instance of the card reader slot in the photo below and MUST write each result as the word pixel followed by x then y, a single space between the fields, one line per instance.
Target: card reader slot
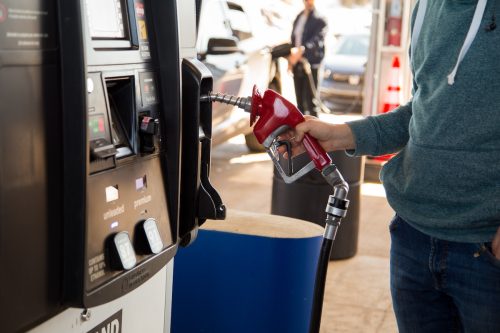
pixel 121 97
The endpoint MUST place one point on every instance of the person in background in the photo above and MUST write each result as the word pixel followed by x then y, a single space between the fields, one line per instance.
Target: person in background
pixel 444 182
pixel 308 36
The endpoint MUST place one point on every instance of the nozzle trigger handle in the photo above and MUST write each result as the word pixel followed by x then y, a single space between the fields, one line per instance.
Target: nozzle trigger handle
pixel 316 152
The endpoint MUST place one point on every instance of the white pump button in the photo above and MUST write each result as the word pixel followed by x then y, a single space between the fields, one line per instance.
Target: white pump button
pixel 153 235
pixel 90 85
pixel 125 250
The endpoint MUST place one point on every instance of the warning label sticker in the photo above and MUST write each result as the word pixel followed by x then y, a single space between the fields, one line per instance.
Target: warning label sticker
pixel 27 24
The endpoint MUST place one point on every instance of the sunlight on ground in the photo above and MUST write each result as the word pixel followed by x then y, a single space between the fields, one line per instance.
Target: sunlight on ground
pixel 251 158
pixel 373 190
pixel 239 139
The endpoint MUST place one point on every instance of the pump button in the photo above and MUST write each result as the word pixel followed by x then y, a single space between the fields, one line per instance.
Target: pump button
pixel 148 239
pixel 121 252
pixel 90 85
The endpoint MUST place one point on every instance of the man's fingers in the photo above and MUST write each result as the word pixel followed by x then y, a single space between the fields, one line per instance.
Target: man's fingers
pixel 295 137
pixel 301 130
pixel 297 147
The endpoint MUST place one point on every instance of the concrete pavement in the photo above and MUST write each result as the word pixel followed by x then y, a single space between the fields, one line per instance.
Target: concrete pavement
pixel 357 297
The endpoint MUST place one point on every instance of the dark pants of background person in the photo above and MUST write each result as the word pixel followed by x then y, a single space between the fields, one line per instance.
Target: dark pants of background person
pixel 442 286
pixel 305 97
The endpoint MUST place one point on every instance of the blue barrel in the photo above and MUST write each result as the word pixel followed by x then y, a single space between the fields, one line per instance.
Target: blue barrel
pixel 250 273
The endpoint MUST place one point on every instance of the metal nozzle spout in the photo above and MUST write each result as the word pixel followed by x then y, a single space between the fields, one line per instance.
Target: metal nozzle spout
pixel 244 103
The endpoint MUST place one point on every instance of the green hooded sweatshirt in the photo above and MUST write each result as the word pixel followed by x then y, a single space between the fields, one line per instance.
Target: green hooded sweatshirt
pixel 445 179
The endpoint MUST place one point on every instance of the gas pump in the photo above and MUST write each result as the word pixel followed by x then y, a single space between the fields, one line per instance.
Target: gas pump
pixel 128 234
pixel 90 167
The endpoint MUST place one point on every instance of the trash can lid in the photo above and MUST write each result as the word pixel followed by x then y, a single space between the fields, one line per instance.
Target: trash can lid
pixel 265 225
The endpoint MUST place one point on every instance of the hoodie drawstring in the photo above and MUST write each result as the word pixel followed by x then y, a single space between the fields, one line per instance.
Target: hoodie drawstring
pixel 419 20
pixel 471 34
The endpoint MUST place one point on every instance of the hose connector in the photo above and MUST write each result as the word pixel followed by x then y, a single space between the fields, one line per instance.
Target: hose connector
pixel 244 103
pixel 337 206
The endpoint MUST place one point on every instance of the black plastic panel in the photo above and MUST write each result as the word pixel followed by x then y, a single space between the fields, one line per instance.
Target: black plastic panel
pixel 30 165
pixel 162 25
pixel 122 190
pixel 196 141
pixel 28 25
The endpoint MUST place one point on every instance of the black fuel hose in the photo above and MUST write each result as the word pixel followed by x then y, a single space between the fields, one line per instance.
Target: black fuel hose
pixel 312 87
pixel 319 285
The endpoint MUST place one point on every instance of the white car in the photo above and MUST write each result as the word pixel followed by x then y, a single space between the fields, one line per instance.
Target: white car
pixel 234 42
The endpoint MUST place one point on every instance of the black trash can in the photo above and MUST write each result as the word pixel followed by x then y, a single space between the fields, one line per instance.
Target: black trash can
pixel 307 197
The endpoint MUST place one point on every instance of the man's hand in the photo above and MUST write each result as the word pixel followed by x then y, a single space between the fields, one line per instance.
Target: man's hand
pixel 495 245
pixel 295 55
pixel 330 136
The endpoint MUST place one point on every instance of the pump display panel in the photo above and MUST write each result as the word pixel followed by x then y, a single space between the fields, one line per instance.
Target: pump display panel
pixel 106 19
pixel 129 234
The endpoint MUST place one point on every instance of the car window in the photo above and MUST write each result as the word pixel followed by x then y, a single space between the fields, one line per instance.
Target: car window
pixel 213 24
pixel 239 21
pixel 353 45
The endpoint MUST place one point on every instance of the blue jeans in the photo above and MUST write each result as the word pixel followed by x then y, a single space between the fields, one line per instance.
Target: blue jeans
pixel 442 286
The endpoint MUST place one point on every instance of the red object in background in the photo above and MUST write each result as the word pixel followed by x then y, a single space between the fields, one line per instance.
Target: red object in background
pixel 3 13
pixel 394 23
pixel 382 158
pixel 391 96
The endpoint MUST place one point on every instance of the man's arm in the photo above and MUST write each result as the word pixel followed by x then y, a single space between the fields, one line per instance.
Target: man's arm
pixel 382 134
pixel 385 133
pixel 376 135
pixel 316 38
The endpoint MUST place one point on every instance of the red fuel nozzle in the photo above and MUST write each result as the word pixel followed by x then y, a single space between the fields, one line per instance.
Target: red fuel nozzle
pixel 273 115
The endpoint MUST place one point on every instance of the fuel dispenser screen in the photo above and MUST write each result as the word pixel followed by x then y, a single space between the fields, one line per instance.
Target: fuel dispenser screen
pixel 106 19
